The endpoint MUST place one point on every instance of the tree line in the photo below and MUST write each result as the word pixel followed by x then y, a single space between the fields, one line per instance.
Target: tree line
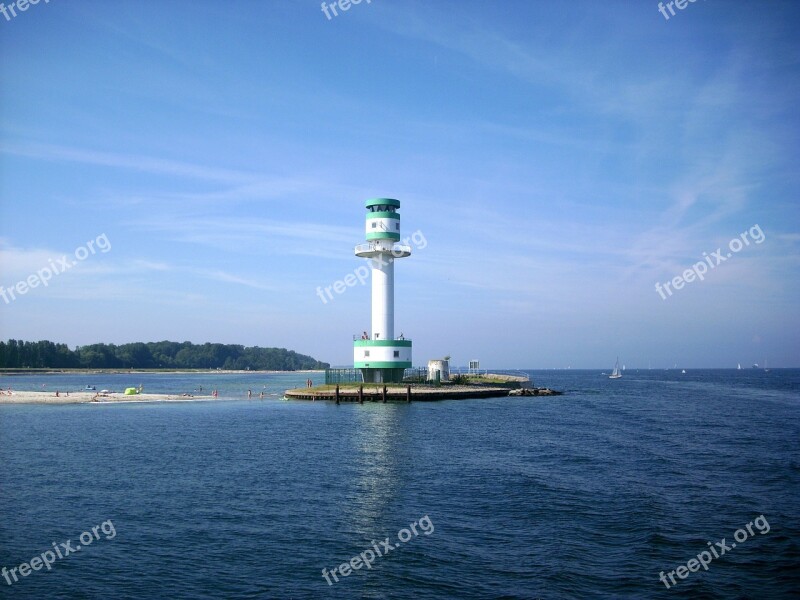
pixel 17 354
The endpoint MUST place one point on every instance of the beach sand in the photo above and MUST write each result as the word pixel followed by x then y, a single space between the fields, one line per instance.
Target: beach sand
pixel 80 397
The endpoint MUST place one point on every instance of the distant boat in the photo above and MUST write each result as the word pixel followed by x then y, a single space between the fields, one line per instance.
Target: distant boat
pixel 755 366
pixel 623 367
pixel 683 371
pixel 739 366
pixel 766 370
pixel 615 374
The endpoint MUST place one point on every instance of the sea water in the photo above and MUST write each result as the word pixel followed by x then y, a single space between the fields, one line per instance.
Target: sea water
pixel 591 494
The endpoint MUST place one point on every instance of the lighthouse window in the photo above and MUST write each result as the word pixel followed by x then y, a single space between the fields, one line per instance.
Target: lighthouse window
pixel 374 224
pixel 397 353
pixel 366 353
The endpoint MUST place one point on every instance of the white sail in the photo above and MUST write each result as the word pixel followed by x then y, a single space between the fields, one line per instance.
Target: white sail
pixel 615 374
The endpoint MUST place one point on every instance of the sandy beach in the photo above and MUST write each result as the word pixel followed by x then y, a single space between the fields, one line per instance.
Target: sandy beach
pixel 90 396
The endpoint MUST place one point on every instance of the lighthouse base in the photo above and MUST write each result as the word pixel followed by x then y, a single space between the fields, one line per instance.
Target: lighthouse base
pixel 382 375
pixel 382 361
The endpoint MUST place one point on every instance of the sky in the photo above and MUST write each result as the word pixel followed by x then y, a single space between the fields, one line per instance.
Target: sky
pixel 205 165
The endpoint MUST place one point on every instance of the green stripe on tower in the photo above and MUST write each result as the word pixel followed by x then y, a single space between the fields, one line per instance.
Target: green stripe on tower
pixel 383 215
pixel 382 365
pixel 382 202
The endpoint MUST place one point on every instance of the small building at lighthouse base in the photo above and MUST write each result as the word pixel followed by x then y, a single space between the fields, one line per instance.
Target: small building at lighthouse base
pixel 440 366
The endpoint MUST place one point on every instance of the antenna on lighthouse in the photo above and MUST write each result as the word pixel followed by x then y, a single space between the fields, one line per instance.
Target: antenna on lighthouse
pixel 381 357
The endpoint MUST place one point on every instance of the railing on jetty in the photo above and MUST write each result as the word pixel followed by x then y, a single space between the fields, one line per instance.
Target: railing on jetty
pixel 415 375
pixel 484 372
pixel 334 376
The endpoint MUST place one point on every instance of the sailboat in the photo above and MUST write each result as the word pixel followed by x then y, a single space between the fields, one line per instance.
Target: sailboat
pixel 766 370
pixel 615 374
pixel 739 366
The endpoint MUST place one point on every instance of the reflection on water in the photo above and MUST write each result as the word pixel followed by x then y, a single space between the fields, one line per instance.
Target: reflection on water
pixel 380 455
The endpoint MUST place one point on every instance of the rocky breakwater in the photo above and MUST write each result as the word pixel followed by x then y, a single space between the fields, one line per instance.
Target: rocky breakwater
pixel 534 392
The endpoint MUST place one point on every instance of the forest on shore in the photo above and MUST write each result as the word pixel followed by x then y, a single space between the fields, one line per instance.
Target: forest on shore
pixel 17 354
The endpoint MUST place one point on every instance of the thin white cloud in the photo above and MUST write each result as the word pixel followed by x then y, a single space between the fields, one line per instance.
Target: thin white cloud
pixel 219 275
pixel 146 164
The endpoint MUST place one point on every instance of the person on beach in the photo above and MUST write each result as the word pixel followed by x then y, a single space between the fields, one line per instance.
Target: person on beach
pixel 214 393
pixel 249 394
pixel 261 396
pixel 56 393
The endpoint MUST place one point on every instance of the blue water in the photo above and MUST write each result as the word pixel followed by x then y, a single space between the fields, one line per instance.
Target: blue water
pixel 590 494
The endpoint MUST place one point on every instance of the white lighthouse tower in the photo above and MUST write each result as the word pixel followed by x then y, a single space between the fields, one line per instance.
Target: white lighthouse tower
pixel 381 357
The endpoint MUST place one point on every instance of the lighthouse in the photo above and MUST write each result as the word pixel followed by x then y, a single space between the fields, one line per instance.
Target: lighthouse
pixel 382 357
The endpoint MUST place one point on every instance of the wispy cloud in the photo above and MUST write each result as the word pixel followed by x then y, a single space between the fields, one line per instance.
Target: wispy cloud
pixel 146 164
pixel 219 275
pixel 295 237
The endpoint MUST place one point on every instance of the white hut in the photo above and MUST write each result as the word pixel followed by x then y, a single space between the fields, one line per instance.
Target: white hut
pixel 441 366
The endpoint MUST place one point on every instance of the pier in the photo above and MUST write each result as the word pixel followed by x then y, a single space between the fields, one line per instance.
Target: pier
pixel 409 393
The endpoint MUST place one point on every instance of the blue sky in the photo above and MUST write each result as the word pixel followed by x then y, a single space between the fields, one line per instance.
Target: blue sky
pixel 559 159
